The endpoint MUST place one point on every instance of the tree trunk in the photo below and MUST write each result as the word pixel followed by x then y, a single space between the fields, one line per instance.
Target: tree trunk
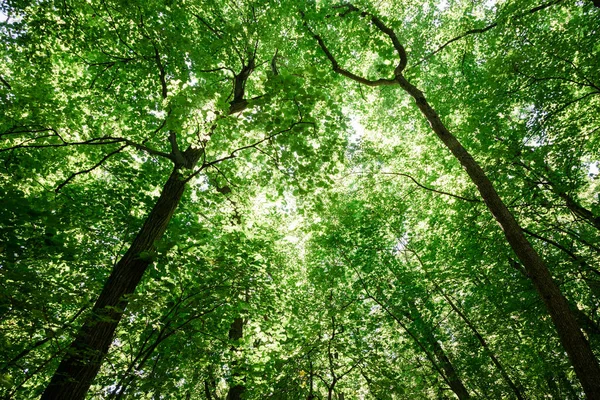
pixel 84 356
pixel 236 332
pixel 571 337
pixel 453 380
pixel 451 376
pixel 484 344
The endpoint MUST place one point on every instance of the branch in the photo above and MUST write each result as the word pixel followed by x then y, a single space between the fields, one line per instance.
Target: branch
pixel 95 142
pixel 213 30
pixel 388 31
pixel 233 154
pixel 85 171
pixel 336 67
pixel 175 152
pixel 383 28
pixel 239 103
pixel 483 30
pixel 274 63
pixel 161 68
pixel 5 83
pixel 431 189
pixel 149 150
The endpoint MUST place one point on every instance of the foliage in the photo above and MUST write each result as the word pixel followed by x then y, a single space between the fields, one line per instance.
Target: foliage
pixel 321 213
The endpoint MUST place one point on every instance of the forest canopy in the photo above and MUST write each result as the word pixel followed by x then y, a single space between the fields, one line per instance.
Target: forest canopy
pixel 319 199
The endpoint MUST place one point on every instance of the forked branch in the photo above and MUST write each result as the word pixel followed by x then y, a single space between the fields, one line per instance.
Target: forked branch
pixel 403 59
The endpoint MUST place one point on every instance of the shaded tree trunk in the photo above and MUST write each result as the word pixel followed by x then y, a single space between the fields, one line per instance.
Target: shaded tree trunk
pixel 450 374
pixel 84 356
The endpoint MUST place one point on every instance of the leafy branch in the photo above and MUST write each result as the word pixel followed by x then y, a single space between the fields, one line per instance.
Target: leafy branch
pixel 471 200
pixel 92 142
pixel 482 30
pixel 5 83
pixel 254 145
pixel 85 171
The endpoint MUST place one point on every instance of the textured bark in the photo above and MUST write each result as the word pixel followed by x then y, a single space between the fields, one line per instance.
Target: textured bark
pixel 571 337
pixel 84 356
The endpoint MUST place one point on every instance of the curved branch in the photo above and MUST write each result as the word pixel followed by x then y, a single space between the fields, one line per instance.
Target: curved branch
pixel 336 67
pixel 431 189
pixel 85 171
pixel 389 32
pixel 483 30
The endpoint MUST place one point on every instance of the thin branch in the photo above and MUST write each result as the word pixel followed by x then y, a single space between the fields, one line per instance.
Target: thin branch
pixel 560 78
pixel 210 28
pixel 430 189
pixel 85 171
pixel 5 83
pixel 112 22
pixel 95 141
pixel 233 154
pixel 483 30
pixel 162 74
pixel 43 341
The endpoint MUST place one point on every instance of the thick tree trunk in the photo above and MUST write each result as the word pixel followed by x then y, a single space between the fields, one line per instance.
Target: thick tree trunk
pixel 571 337
pixel 84 356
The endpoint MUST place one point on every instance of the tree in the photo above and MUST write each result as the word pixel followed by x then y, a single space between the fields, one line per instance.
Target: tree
pixel 573 340
pixel 130 43
pixel 196 205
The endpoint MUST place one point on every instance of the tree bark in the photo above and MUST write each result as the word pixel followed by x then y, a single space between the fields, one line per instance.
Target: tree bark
pixel 577 347
pixel 84 356
pixel 453 379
